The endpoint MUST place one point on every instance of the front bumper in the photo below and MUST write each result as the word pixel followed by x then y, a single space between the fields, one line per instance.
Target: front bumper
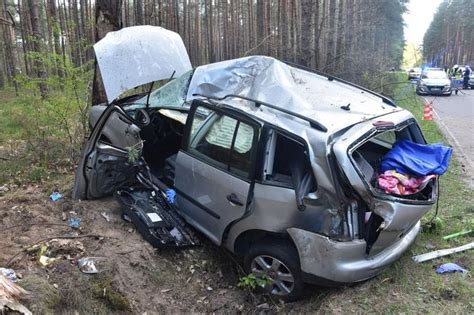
pixel 434 90
pixel 344 262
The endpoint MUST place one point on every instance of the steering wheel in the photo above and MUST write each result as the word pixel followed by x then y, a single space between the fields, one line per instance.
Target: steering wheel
pixel 142 118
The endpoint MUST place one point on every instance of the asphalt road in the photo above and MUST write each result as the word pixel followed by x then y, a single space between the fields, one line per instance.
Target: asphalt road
pixel 455 115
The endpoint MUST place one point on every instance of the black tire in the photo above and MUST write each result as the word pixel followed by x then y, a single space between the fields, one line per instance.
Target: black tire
pixel 285 252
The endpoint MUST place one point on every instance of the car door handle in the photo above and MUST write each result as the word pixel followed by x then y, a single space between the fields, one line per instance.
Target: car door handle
pixel 234 199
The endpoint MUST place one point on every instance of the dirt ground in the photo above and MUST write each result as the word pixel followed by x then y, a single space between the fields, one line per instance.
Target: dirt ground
pixel 136 278
pixel 140 278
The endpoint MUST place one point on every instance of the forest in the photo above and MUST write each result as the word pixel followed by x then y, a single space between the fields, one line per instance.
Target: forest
pixel 347 38
pixel 450 38
pixel 50 82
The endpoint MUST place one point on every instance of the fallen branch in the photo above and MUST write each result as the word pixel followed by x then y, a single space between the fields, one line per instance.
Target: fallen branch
pixel 25 250
pixel 258 45
pixel 32 224
pixel 442 252
pixel 10 293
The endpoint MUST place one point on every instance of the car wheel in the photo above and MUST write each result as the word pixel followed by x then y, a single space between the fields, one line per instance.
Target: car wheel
pixel 276 264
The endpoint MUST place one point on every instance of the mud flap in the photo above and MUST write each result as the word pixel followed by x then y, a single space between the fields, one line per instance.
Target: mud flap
pixel 155 219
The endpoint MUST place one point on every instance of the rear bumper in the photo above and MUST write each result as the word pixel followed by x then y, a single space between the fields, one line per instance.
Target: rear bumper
pixel 323 259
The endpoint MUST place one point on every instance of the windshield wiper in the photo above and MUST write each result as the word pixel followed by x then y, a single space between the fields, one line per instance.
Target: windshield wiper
pixel 147 104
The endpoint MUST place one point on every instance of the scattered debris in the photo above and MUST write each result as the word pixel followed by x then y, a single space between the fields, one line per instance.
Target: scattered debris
pixel 450 267
pixel 430 246
pixel 75 223
pixel 442 252
pixel 263 306
pixel 105 216
pixel 45 260
pixel 10 293
pixel 87 265
pixel 125 217
pixel 171 196
pixel 4 188
pixel 10 274
pixel 64 216
pixel 166 290
pixel 455 235
pixel 55 196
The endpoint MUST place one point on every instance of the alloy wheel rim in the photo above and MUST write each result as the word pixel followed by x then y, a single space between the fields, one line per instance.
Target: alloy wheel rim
pixel 277 277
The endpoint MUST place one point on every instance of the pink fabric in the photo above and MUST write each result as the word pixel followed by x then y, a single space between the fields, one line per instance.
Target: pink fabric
pixel 395 183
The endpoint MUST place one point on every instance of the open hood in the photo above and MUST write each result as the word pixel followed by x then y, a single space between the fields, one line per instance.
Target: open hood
pixel 138 55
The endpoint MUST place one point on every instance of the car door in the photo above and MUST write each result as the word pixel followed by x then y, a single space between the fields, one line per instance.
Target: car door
pixel 215 168
pixel 104 166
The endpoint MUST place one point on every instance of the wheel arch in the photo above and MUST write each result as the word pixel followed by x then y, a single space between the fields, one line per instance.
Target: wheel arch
pixel 244 241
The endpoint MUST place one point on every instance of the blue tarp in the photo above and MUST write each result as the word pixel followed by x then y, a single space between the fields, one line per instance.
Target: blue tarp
pixel 415 159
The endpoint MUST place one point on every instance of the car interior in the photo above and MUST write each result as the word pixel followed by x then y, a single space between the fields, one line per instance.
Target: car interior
pixel 368 157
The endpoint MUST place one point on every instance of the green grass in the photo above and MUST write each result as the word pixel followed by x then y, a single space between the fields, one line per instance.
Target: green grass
pixel 10 111
pixel 407 287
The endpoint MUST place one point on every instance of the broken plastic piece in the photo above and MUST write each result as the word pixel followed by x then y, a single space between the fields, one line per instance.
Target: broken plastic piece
pixel 450 267
pixel 442 252
pixel 105 216
pixel 75 223
pixel 171 196
pixel 87 265
pixel 55 196
pixel 45 260
pixel 454 235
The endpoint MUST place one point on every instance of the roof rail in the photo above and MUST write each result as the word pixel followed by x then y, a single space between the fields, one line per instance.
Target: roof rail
pixel 385 99
pixel 313 123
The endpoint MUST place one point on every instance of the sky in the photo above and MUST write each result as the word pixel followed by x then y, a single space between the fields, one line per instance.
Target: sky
pixel 418 18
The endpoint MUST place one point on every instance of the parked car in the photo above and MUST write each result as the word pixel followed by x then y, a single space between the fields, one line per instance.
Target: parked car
pixel 434 81
pixel 471 81
pixel 272 161
pixel 414 73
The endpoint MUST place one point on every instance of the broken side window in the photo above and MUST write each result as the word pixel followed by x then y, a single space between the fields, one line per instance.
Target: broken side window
pixel 288 165
pixel 223 141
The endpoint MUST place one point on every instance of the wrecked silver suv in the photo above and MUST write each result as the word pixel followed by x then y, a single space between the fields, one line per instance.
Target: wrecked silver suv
pixel 274 162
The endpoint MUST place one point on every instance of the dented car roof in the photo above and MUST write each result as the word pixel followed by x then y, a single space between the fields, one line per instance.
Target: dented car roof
pixel 269 80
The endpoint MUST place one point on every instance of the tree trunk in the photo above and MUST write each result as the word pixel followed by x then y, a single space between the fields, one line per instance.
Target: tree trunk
pixel 37 47
pixel 139 12
pixel 108 18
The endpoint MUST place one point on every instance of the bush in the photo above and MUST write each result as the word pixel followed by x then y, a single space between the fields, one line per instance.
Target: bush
pixel 50 130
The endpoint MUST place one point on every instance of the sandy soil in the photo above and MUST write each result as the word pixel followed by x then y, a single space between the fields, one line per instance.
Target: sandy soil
pixel 199 279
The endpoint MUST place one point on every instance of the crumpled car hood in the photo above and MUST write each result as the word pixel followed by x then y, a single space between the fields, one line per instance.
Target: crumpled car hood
pixel 138 55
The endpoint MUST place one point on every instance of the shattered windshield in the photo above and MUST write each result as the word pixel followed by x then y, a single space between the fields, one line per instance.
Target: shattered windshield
pixel 172 94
